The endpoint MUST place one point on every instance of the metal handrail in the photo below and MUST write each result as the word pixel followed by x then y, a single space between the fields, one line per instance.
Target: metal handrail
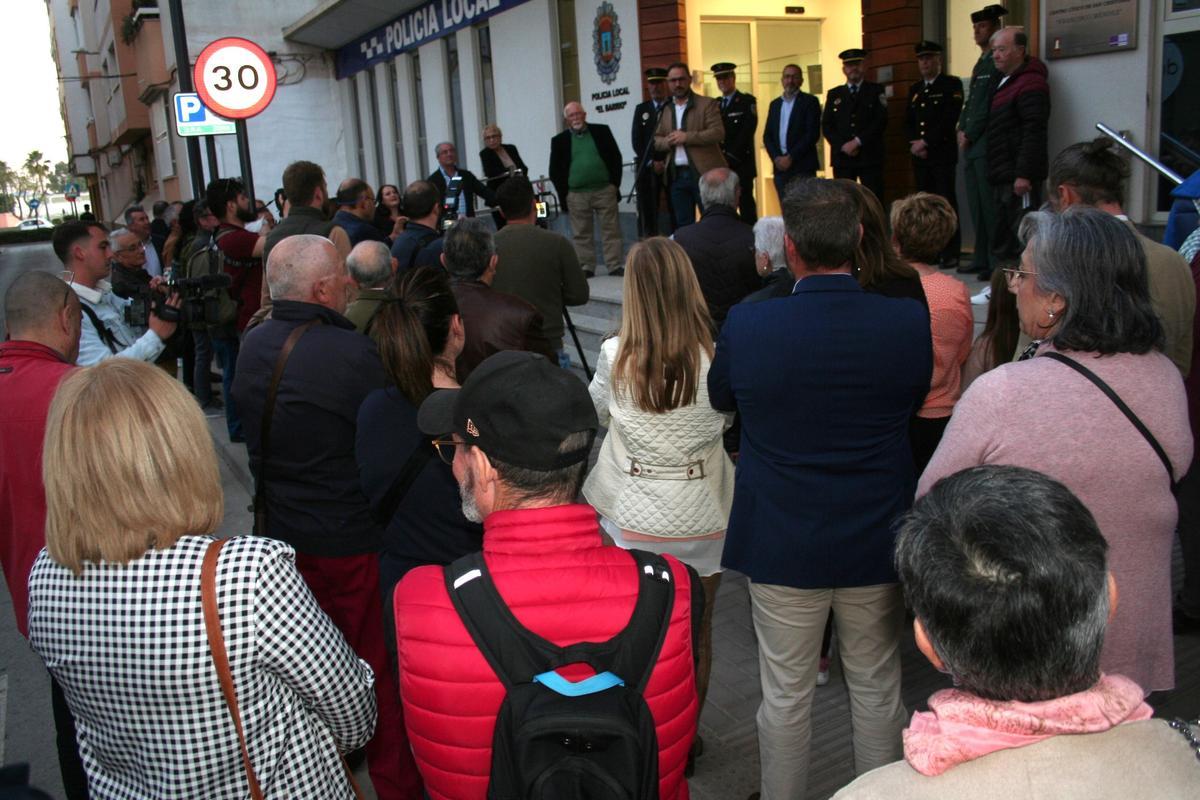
pixel 1166 171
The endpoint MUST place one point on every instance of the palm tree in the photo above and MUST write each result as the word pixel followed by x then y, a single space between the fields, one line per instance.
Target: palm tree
pixel 37 167
pixel 7 190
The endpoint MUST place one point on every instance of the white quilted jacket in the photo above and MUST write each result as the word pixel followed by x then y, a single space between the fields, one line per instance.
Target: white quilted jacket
pixel 659 474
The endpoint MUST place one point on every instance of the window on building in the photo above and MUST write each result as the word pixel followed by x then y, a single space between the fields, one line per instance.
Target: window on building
pixel 375 132
pixel 568 43
pixel 397 130
pixel 359 150
pixel 484 34
pixel 112 68
pixel 422 137
pixel 160 125
pixel 456 102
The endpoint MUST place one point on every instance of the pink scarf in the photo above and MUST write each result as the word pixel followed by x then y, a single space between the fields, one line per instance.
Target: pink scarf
pixel 960 727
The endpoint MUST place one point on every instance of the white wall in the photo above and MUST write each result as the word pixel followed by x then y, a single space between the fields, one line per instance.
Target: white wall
pixel 612 103
pixel 472 100
pixel 1113 88
pixel 435 91
pixel 525 67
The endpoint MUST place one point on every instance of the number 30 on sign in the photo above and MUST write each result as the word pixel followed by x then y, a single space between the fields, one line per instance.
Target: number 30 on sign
pixel 234 77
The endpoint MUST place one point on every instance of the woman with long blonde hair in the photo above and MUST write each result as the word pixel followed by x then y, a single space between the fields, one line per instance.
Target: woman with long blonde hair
pixel 663 481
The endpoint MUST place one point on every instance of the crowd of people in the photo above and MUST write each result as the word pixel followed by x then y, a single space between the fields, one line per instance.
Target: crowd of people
pixel 458 544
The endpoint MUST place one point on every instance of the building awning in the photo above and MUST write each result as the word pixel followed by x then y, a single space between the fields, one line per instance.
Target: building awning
pixel 334 23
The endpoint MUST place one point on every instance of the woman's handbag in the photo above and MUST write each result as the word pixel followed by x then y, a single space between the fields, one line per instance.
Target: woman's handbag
pixel 216 643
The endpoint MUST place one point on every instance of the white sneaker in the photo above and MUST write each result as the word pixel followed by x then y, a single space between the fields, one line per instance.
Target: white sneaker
pixel 983 298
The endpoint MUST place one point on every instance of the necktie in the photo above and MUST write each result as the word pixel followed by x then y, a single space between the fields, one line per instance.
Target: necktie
pixel 853 89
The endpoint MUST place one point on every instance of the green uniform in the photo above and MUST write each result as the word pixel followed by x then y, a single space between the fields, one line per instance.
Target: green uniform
pixel 973 123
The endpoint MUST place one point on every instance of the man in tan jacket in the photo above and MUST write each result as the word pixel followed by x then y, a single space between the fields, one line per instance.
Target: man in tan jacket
pixel 691 132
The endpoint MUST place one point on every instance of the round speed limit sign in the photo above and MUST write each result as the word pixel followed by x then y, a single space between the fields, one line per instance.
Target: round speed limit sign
pixel 234 77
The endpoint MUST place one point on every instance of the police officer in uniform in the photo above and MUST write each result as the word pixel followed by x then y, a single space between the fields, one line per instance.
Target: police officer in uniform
pixel 650 178
pixel 972 141
pixel 853 122
pixel 931 125
pixel 739 112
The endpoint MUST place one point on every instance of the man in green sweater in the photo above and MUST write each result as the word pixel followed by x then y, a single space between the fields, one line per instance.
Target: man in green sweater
pixel 585 165
pixel 535 264
pixel 971 140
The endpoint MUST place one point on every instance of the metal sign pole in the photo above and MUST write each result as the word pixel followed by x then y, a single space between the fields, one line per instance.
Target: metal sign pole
pixel 210 147
pixel 244 159
pixel 183 69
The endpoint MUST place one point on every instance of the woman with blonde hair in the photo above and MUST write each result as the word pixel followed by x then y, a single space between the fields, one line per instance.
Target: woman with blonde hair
pixel 133 495
pixel 663 481
pixel 500 162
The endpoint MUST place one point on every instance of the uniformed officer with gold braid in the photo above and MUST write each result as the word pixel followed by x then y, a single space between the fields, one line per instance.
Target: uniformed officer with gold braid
pixel 931 125
pixel 650 182
pixel 739 112
pixel 853 122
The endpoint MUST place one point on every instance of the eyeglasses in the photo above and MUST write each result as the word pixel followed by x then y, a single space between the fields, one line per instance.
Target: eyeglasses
pixel 133 248
pixel 681 79
pixel 445 449
pixel 1015 276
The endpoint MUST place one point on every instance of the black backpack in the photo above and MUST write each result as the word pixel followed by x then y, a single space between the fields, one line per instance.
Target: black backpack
pixel 591 740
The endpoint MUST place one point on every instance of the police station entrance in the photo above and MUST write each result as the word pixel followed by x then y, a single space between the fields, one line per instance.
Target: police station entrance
pixel 761 48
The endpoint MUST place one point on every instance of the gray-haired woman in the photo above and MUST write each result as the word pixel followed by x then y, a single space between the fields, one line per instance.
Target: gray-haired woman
pixel 770 259
pixel 1082 295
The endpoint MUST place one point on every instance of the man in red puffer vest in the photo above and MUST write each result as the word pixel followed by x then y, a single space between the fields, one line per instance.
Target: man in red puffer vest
pixel 518 435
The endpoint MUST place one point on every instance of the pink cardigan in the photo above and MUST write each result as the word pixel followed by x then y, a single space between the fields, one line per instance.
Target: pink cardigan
pixel 1043 415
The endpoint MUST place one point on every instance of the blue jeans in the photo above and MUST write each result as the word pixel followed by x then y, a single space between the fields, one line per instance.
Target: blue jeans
pixel 685 195
pixel 226 349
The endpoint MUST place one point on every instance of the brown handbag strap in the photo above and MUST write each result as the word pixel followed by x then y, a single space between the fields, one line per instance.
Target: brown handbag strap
pixel 216 643
pixel 260 483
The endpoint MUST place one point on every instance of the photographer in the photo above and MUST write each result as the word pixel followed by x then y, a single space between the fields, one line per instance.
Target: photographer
pixel 128 277
pixel 420 245
pixel 83 248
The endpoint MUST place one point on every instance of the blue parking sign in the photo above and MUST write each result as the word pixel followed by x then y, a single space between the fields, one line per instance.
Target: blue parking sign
pixel 193 118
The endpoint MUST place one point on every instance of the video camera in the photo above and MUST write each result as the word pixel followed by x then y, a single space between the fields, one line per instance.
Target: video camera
pixel 449 214
pixel 200 303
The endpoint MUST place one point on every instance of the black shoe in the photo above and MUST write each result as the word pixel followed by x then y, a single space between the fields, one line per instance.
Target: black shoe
pixel 1184 624
pixel 618 272
pixel 589 274
pixel 963 269
pixel 950 263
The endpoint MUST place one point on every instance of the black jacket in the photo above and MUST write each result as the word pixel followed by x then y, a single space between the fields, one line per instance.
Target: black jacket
pixel 721 248
pixel 417 246
pixel 645 120
pixel 863 114
pixel 560 158
pixel 803 133
pixel 932 114
pixel 472 187
pixel 494 171
pixel 1017 126
pixel 741 123
pixel 314 501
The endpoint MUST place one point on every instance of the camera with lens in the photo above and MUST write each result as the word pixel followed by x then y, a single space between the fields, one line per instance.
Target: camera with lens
pixel 449 213
pixel 145 302
pixel 204 298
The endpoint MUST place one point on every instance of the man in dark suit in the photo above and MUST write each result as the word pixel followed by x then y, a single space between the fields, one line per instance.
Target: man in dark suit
pixel 931 123
pixel 585 165
pixel 793 131
pixel 739 112
pixel 650 183
pixel 470 187
pixel 855 116
pixel 826 381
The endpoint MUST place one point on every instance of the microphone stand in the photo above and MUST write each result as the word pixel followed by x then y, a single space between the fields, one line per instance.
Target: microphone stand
pixel 644 162
pixel 578 345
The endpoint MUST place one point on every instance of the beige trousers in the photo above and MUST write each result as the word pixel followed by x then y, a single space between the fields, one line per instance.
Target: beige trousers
pixel 580 207
pixel 789 624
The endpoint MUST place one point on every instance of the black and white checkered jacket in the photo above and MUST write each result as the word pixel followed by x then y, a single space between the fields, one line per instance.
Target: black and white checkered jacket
pixel 127 644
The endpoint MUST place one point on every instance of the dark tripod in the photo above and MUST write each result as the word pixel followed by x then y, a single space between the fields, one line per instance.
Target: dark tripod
pixel 578 345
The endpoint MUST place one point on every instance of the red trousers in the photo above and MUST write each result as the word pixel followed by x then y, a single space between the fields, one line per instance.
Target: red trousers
pixel 347 589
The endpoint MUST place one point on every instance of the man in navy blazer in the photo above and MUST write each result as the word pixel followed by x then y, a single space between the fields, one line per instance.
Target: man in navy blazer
pixel 826 381
pixel 794 152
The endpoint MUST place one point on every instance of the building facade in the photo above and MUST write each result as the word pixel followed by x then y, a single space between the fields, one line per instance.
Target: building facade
pixel 368 89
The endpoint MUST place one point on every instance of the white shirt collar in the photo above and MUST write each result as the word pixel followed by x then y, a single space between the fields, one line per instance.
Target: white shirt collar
pixel 93 296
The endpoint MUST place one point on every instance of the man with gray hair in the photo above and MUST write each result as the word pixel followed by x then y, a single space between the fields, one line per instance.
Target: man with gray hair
pixel 300 430
pixel 460 196
pixel 493 320
pixel 138 221
pixel 720 245
pixel 371 266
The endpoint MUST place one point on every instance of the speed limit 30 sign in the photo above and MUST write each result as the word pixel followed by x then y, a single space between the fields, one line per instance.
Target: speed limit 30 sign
pixel 234 77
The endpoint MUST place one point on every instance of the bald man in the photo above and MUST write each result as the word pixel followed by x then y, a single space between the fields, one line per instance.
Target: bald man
pixel 43 318
pixel 307 491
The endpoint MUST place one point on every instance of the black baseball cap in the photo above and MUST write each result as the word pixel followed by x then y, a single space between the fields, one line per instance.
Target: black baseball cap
pixel 991 13
pixel 852 55
pixel 516 407
pixel 928 48
pixel 724 68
